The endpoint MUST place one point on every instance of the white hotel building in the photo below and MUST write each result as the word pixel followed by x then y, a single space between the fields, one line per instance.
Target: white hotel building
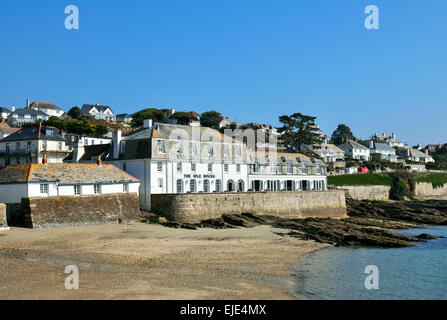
pixel 172 158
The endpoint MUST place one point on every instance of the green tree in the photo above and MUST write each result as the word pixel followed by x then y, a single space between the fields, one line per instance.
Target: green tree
pixel 156 115
pixel 75 113
pixel 299 131
pixel 183 117
pixel 341 133
pixel 210 119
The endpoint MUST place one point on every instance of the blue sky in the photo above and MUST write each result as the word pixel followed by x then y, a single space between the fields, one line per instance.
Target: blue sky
pixel 250 60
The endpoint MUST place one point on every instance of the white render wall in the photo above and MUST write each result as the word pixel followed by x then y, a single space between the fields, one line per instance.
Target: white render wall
pixel 13 193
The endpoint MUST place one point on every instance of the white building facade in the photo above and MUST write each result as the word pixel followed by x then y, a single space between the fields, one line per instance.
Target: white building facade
pixel 53 180
pixel 192 159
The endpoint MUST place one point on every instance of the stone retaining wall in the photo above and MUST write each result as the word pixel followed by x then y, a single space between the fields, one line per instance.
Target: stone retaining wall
pixel 367 192
pixel 110 208
pixel 3 221
pixel 425 189
pixel 193 208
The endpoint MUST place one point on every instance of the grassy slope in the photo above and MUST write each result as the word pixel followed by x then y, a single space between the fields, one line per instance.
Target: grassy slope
pixel 436 179
pixel 366 179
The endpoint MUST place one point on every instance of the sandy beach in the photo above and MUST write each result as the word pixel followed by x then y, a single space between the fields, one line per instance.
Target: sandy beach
pixel 143 261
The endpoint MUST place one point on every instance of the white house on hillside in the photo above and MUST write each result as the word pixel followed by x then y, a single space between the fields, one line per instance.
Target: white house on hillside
pixel 384 150
pixel 47 107
pixel 98 112
pixel 356 150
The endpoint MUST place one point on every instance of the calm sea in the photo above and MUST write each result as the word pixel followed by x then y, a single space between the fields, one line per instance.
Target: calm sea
pixel 403 273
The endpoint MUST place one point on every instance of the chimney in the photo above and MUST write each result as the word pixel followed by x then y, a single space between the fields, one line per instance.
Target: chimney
pixel 426 152
pixel 27 103
pixel 147 123
pixel 45 160
pixel 13 108
pixel 393 135
pixel 78 150
pixel 99 161
pixel 172 111
pixel 116 144
pixel 371 144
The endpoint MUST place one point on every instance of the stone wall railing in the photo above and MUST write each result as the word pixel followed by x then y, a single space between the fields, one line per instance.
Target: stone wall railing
pixel 193 208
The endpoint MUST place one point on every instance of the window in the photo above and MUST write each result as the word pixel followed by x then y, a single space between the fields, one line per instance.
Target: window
pixel 17 160
pixel 44 145
pixel 160 146
pixel 210 167
pixel 159 166
pixel 178 145
pixel 206 185
pixel 179 186
pixel 193 167
pixel 126 188
pixel 210 149
pixel 179 167
pixel 218 185
pixel 97 188
pixel 193 147
pixel 86 142
pixel 44 188
pixel 7 149
pixel 225 167
pixel 238 150
pixel 160 182
pixel 18 145
pixel 192 185
pixel 77 190
pixel 226 150
pixel 59 146
pixel 238 168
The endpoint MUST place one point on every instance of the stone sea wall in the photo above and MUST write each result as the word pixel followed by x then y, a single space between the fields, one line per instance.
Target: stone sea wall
pixel 367 192
pixel 193 208
pixel 51 211
pixel 426 189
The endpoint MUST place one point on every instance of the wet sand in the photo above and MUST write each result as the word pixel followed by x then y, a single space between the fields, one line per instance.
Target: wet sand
pixel 144 261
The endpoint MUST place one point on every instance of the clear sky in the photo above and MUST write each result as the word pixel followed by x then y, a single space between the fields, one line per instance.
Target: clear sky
pixel 252 60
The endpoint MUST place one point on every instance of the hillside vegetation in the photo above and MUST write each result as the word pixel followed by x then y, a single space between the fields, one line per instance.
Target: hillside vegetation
pixel 436 179
pixel 366 179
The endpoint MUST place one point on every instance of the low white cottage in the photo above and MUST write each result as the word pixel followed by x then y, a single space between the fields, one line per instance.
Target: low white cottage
pixel 63 179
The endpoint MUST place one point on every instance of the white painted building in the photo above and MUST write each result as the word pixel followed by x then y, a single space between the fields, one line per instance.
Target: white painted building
pixel 4 113
pixel 51 180
pixel 47 107
pixel 26 115
pixel 172 158
pixel 31 144
pixel 355 150
pixel 98 112
pixel 179 159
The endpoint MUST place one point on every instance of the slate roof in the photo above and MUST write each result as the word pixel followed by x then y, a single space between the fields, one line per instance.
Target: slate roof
pixel 36 133
pixel 3 109
pixel 93 152
pixel 353 145
pixel 383 147
pixel 87 107
pixel 65 174
pixel 29 111
pixel 8 131
pixel 44 105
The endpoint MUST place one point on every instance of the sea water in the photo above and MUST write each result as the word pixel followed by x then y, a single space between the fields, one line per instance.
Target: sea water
pixel 418 272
